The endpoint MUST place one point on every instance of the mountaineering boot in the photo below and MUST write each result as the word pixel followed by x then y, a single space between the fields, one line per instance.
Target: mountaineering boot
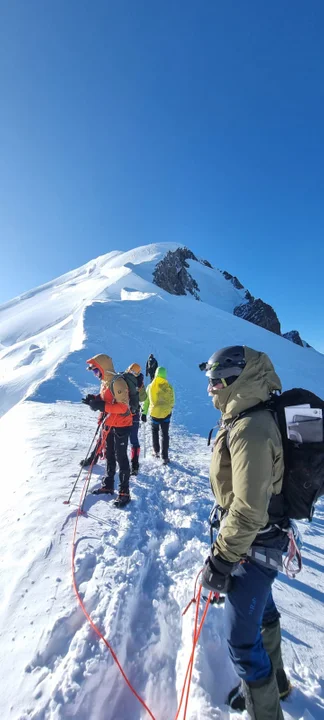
pixel 86 462
pixel 103 491
pixel 122 500
pixel 166 461
pixel 236 699
pixel 271 638
pixel 107 487
pixel 155 454
pixel 284 684
pixel 134 461
pixel 262 699
pixel 92 459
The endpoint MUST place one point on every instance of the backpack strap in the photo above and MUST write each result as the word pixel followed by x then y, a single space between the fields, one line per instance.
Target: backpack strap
pixel 266 405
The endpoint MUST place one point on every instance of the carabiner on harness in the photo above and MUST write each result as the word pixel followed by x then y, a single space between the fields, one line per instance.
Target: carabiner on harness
pixel 293 562
pixel 216 516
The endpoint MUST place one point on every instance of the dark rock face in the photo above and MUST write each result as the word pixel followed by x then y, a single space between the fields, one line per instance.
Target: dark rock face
pixel 293 336
pixel 234 280
pixel 259 313
pixel 171 273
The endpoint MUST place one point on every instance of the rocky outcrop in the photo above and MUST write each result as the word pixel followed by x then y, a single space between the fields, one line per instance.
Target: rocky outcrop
pixel 171 273
pixel 234 280
pixel 293 336
pixel 259 313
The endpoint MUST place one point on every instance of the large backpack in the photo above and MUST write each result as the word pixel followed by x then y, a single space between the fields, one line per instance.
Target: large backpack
pixel 299 415
pixel 161 398
pixel 303 444
pixel 131 381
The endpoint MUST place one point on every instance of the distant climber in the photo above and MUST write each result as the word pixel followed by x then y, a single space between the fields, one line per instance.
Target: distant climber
pixel 114 401
pixel 135 370
pixel 151 366
pixel 159 403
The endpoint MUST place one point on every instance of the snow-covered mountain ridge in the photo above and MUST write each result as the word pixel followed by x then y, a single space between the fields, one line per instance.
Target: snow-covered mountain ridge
pixel 42 327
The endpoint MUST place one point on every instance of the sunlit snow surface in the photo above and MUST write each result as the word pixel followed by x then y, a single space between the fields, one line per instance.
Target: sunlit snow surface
pixel 135 567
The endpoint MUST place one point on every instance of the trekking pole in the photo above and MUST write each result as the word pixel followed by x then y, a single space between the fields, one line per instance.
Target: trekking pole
pixel 144 440
pixel 87 482
pixel 67 502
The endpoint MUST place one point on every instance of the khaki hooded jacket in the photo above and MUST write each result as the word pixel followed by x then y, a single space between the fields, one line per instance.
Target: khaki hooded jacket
pixel 247 462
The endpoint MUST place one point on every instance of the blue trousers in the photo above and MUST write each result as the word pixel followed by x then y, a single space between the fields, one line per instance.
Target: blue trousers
pixel 248 606
pixel 134 441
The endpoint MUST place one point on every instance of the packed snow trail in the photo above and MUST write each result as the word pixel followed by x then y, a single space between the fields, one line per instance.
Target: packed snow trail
pixel 135 569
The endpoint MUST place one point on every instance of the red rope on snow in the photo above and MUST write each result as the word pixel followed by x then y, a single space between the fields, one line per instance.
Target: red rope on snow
pixel 196 632
pixel 93 625
pixel 194 598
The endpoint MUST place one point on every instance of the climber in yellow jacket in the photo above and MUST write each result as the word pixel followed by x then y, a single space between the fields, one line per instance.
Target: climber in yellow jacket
pixel 159 403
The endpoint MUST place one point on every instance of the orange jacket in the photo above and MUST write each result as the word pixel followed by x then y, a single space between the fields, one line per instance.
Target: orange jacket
pixel 119 414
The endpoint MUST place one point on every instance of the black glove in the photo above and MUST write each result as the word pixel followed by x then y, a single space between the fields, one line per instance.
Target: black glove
pixel 143 417
pixel 97 404
pixel 216 575
pixel 202 366
pixel 87 399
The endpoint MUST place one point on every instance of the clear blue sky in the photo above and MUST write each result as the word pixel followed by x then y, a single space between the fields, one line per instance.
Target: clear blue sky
pixel 125 122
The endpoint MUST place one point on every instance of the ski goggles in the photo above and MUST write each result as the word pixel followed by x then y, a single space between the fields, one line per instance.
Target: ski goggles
pixel 217 381
pixel 95 371
pixel 216 384
pixel 217 374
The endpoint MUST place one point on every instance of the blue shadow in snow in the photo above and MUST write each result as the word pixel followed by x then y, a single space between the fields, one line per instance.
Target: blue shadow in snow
pixel 293 638
pixel 313 548
pixel 302 587
pixel 313 564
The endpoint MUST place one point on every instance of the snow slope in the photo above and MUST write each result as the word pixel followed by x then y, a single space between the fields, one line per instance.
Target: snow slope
pixel 135 568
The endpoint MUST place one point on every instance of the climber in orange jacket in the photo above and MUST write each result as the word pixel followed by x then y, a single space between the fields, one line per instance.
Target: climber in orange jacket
pixel 113 400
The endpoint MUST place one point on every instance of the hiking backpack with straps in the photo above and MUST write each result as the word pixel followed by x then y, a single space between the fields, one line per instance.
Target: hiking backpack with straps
pixel 299 415
pixel 131 381
pixel 302 435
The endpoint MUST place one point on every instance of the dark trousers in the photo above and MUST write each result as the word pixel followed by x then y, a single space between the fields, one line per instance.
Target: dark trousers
pixel 134 441
pixel 248 606
pixel 116 451
pixel 164 424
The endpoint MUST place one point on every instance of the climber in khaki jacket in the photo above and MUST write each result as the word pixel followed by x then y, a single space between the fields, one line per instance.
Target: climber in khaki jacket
pixel 246 475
